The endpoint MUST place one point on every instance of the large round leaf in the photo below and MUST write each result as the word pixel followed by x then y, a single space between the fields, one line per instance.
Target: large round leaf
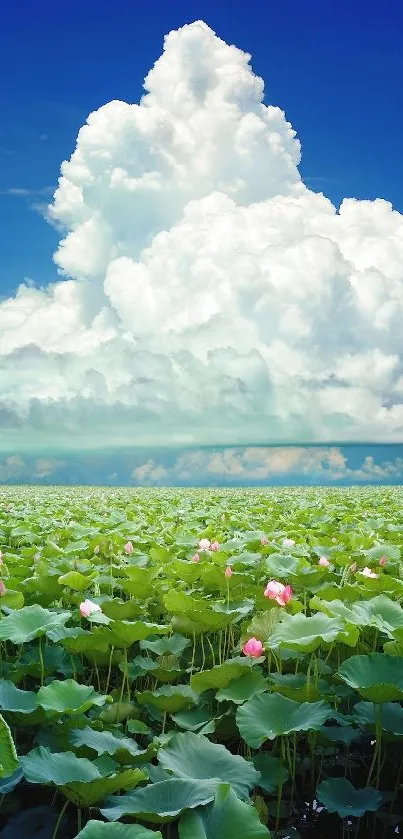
pixel 243 688
pixel 16 700
pixel 221 675
pixel 272 771
pixel 339 796
pixel 226 818
pixel 68 697
pixel 125 633
pixel 389 716
pixel 104 830
pixel 88 793
pixel 271 715
pixel 8 754
pixel 190 755
pixel 162 801
pixel 30 622
pixel 169 699
pixel 102 742
pixel 377 677
pixel 381 612
pixel 41 766
pixel 297 632
pixel 173 644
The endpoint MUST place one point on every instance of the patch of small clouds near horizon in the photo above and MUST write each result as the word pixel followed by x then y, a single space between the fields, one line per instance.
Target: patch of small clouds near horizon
pixel 319 465
pixel 208 295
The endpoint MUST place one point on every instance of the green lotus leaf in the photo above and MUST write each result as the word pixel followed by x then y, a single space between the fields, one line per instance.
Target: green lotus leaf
pixel 117 712
pixel 173 644
pixel 76 581
pixel 41 766
pixel 180 603
pixel 226 818
pixel 168 698
pixel 221 675
pixel 8 754
pixel 197 719
pixel 239 690
pixel 69 697
pixel 104 742
pixel 385 549
pixel 103 830
pixel 194 609
pixel 272 771
pixel 89 793
pixel 345 734
pixel 162 801
pixel 284 566
pixel 77 640
pixel 330 591
pixel 138 727
pixel 119 610
pixel 271 715
pixel 383 583
pixel 377 677
pixel 296 686
pixel 297 632
pixel 126 633
pixel 190 755
pixel 16 700
pixel 30 622
pixel 262 624
pixel 10 782
pixel 381 612
pixel 12 599
pixel 389 715
pixel 339 796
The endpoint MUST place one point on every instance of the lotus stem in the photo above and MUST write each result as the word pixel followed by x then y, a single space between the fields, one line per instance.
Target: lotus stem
pixel 58 823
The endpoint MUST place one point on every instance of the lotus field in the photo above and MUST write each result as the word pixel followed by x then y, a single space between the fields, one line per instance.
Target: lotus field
pixel 200 664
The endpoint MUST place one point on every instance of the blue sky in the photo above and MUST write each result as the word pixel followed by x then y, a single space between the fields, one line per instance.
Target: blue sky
pixel 204 296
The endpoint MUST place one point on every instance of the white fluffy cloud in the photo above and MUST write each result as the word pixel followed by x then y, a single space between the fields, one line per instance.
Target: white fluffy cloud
pixel 261 464
pixel 209 296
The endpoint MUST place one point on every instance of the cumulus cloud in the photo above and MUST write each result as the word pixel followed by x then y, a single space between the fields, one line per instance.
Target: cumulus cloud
pixel 149 473
pixel 208 296
pixel 262 464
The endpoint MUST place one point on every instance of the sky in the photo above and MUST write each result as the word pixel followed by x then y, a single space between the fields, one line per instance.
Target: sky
pixel 215 267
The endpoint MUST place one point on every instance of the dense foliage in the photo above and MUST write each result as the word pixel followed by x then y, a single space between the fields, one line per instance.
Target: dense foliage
pixel 200 664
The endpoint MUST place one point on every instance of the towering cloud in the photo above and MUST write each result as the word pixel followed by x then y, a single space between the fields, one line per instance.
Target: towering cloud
pixel 207 295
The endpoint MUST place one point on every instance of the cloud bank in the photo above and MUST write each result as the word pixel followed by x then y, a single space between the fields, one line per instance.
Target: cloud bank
pixel 207 296
pixel 241 466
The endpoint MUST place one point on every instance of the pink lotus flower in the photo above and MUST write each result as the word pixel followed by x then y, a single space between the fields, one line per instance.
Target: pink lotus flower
pixel 195 558
pixel 353 568
pixel 324 562
pixel 228 572
pixel 215 546
pixel 366 572
pixel 253 648
pixel 2 588
pixel 288 543
pixel 129 548
pixel 264 540
pixel 383 561
pixel 87 607
pixel 276 591
pixel 204 544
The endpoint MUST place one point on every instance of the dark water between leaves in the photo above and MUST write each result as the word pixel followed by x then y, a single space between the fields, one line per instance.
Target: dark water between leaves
pixel 31 818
